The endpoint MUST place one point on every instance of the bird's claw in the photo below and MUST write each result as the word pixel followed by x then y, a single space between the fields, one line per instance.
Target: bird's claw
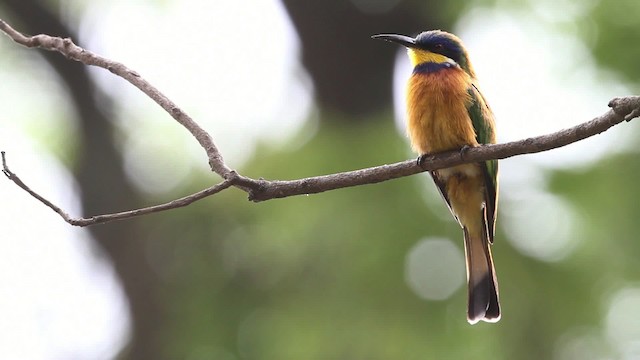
pixel 420 160
pixel 463 151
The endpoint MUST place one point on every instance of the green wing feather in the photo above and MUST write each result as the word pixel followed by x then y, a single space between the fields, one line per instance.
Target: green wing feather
pixel 484 126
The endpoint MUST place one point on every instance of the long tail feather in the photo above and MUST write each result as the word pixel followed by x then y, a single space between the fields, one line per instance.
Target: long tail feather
pixel 481 279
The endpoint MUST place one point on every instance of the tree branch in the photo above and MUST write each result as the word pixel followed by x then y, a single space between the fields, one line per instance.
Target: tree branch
pixel 624 108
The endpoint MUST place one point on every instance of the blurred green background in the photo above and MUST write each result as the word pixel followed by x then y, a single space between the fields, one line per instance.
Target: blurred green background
pixel 293 89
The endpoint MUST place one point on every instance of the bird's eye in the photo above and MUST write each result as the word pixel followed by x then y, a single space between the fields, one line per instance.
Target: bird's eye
pixel 438 46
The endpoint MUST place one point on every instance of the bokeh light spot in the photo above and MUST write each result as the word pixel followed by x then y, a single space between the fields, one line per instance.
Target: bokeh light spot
pixel 434 268
pixel 623 322
pixel 539 224
pixel 581 344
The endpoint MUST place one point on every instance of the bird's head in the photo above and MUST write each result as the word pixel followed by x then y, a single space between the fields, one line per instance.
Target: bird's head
pixel 433 46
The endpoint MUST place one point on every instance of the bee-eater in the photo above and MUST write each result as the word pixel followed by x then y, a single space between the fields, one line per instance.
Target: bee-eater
pixel 446 111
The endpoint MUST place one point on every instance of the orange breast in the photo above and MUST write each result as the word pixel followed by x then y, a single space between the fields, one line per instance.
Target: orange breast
pixel 437 111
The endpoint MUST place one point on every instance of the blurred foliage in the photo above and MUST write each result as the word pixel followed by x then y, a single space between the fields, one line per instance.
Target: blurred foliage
pixel 322 276
pixel 317 276
pixel 607 200
pixel 616 33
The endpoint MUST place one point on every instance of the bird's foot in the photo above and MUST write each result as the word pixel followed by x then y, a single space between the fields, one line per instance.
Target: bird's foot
pixel 463 151
pixel 420 160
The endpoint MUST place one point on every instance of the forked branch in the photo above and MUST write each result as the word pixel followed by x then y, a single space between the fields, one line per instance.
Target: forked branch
pixel 624 108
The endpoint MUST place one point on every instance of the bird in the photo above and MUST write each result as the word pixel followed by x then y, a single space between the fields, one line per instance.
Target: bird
pixel 446 111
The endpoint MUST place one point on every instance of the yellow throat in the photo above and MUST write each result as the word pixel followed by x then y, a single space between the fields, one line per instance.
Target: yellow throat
pixel 419 56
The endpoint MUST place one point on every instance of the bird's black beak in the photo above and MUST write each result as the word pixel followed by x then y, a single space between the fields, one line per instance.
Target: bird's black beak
pixel 398 39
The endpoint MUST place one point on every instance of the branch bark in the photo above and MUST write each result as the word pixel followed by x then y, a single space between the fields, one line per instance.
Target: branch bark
pixel 622 109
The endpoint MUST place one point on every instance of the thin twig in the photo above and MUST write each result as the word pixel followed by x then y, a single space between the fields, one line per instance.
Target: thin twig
pixel 100 219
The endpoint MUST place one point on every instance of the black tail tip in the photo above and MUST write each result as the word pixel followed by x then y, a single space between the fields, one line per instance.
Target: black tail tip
pixel 486 317
pixel 483 302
